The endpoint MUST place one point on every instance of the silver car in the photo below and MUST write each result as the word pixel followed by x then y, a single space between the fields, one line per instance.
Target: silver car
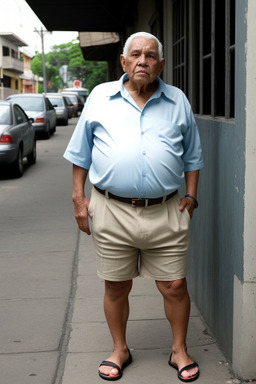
pixel 82 92
pixel 17 138
pixel 61 107
pixel 39 107
pixel 70 106
pixel 74 100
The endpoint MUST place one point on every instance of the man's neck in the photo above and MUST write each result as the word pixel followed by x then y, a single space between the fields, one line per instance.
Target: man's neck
pixel 140 93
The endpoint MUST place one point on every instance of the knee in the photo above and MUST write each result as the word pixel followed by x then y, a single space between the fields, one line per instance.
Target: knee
pixel 176 289
pixel 115 290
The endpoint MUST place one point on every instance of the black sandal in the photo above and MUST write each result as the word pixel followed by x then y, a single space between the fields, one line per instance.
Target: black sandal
pixel 113 365
pixel 186 368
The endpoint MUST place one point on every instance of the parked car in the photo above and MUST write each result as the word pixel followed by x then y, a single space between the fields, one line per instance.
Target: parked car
pixel 39 107
pixel 82 92
pixel 74 100
pixel 61 107
pixel 70 106
pixel 17 137
pixel 80 103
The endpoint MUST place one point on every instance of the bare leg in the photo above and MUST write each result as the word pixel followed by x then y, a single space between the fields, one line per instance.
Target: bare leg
pixel 116 307
pixel 177 309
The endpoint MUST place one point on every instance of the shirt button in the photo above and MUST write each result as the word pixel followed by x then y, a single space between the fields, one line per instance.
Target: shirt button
pixel 144 153
pixel 142 133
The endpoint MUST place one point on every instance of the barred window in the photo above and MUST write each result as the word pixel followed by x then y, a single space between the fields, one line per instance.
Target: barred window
pixel 204 54
pixel 180 48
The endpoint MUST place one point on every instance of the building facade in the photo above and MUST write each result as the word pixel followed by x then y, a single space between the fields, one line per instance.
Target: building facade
pixel 29 81
pixel 15 70
pixel 11 64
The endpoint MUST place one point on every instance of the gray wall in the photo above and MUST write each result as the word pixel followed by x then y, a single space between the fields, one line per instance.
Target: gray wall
pixel 217 228
pixel 217 244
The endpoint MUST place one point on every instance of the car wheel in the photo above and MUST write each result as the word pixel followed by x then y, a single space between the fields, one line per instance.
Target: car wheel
pixel 32 156
pixel 18 164
pixel 48 131
pixel 53 129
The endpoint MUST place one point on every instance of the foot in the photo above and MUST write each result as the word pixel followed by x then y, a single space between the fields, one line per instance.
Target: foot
pixel 118 358
pixel 179 360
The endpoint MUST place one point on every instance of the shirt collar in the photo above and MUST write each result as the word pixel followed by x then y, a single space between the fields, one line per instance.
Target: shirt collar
pixel 118 87
pixel 167 90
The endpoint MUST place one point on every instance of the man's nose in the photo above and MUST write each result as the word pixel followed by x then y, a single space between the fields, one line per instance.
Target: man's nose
pixel 143 60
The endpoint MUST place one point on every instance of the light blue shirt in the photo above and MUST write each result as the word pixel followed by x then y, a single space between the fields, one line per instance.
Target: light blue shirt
pixel 132 152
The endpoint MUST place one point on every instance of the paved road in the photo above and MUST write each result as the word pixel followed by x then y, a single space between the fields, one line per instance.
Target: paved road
pixel 38 238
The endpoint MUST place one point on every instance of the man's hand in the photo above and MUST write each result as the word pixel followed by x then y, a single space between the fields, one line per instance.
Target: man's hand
pixel 81 205
pixel 191 189
pixel 188 204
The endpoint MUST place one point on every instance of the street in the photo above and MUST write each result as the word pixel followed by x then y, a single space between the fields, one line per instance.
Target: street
pixel 38 236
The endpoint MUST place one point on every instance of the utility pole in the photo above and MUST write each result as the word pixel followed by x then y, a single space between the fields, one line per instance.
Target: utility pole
pixel 41 34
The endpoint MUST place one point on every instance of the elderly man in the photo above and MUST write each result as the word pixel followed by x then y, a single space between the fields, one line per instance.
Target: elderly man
pixel 138 140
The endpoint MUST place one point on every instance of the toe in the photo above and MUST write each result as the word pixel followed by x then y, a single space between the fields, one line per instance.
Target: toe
pixel 108 371
pixel 189 373
pixel 114 373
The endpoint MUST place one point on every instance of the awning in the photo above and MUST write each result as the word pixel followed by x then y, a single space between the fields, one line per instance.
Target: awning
pixel 100 46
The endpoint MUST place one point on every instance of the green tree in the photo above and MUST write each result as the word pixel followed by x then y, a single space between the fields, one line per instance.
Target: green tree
pixel 91 73
pixel 36 65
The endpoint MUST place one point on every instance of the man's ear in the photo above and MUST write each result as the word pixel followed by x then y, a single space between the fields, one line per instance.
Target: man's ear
pixel 162 63
pixel 122 61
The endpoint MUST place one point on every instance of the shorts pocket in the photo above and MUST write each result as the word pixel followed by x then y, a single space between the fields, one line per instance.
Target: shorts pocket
pixel 91 205
pixel 187 213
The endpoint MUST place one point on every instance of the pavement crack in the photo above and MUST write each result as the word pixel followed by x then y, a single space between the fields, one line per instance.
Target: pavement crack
pixel 66 330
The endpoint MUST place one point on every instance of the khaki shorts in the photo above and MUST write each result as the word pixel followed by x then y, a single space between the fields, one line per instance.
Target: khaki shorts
pixel 143 241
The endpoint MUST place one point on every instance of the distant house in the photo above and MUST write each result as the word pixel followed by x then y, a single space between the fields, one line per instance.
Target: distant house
pixel 11 64
pixel 29 80
pixel 15 70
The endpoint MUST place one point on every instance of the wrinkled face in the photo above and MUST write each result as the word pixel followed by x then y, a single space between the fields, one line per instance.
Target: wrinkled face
pixel 142 63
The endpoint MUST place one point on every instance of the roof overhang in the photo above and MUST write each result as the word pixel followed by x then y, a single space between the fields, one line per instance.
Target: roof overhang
pixel 85 15
pixel 12 38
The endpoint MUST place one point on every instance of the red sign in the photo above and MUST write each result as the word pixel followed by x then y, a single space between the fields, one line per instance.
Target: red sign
pixel 77 83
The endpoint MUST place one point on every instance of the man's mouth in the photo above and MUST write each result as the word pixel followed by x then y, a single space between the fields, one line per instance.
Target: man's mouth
pixel 141 72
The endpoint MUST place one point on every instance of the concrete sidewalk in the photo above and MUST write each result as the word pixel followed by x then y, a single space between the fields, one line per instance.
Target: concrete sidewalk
pixel 148 334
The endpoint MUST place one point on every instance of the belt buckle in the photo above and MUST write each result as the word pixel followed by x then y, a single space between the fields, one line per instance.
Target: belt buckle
pixel 134 202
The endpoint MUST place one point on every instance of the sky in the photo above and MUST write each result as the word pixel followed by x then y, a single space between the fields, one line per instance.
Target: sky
pixel 17 17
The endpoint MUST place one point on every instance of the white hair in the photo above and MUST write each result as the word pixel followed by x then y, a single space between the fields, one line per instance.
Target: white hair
pixel 147 36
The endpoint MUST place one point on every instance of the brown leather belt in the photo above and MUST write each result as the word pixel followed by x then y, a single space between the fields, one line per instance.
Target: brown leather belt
pixel 137 202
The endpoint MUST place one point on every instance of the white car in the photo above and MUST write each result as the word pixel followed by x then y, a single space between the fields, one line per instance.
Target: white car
pixel 61 107
pixel 39 107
